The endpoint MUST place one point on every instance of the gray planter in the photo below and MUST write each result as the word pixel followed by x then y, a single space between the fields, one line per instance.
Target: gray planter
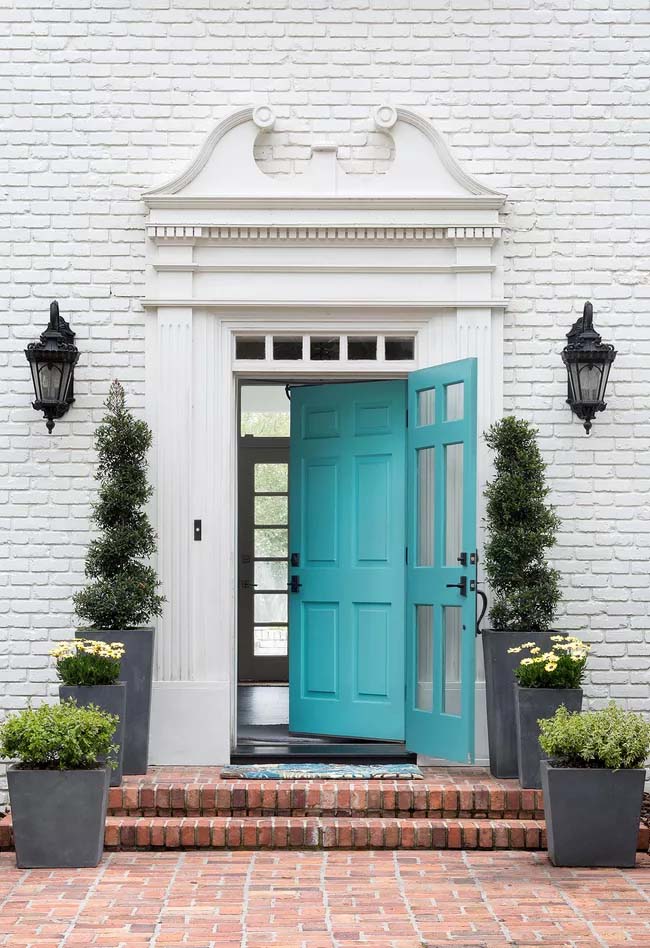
pixel 592 815
pixel 137 670
pixel 110 698
pixel 500 699
pixel 58 816
pixel 531 704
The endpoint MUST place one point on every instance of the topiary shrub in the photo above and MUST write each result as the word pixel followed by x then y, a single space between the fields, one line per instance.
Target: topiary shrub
pixel 521 527
pixel 609 738
pixel 123 588
pixel 58 737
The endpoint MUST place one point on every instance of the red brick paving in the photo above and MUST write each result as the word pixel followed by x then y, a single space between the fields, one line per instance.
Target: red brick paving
pixel 325 900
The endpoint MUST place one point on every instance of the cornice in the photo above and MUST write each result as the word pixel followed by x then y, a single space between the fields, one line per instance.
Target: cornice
pixel 357 305
pixel 486 202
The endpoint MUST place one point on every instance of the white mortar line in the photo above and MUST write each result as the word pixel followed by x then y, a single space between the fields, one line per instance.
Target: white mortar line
pixel 168 891
pixel 326 901
pixel 580 914
pixel 505 931
pixel 245 896
pixel 91 891
pixel 407 905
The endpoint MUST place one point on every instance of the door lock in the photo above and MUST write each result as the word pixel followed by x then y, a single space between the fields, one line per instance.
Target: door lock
pixel 462 585
pixel 295 584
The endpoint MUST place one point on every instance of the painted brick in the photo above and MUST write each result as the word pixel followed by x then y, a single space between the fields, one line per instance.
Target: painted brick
pixel 508 88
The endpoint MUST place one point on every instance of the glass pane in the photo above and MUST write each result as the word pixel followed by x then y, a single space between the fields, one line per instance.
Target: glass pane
pixel 265 411
pixel 271 575
pixel 271 511
pixel 453 503
pixel 269 641
pixel 250 347
pixel 362 347
pixel 424 667
pixel 454 395
pixel 271 478
pixel 425 488
pixel 287 347
pixel 452 627
pixel 427 406
pixel 271 543
pixel 399 347
pixel 270 607
pixel 322 348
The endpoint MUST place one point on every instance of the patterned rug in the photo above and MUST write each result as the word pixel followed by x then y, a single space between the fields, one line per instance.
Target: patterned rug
pixel 323 772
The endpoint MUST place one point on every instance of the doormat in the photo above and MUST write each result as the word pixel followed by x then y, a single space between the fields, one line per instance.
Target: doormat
pixel 323 772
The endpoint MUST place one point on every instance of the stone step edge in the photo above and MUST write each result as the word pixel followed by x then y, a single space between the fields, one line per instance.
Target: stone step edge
pixel 134 833
pixel 326 798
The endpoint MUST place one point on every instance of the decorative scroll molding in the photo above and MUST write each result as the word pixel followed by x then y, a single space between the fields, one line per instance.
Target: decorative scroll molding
pixel 192 232
pixel 225 170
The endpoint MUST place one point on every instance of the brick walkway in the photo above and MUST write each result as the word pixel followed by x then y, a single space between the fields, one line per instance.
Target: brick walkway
pixel 325 900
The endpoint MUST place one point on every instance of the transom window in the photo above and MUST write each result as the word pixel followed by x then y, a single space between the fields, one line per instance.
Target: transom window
pixel 287 347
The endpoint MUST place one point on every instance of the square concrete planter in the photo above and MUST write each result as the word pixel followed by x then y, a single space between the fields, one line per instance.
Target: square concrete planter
pixel 136 672
pixel 110 698
pixel 58 816
pixel 500 698
pixel 531 704
pixel 592 815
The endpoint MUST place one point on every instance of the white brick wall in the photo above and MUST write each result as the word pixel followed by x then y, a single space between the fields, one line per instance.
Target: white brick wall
pixel 549 102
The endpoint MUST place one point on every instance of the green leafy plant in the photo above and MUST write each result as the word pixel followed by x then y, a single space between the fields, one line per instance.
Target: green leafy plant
pixel 611 737
pixel 123 588
pixel 88 662
pixel 562 667
pixel 59 737
pixel 521 527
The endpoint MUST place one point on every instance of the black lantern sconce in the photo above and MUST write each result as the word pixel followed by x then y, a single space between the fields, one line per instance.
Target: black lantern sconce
pixel 52 362
pixel 588 360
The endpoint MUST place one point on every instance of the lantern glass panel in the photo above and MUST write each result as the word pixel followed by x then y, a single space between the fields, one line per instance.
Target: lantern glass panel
pixel 604 376
pixel 590 383
pixel 51 376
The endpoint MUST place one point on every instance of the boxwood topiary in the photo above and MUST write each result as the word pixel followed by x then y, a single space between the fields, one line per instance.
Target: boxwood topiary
pixel 59 737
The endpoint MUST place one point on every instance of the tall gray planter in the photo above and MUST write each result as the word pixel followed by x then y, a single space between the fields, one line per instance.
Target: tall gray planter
pixel 531 704
pixel 499 696
pixel 58 816
pixel 110 698
pixel 136 672
pixel 592 815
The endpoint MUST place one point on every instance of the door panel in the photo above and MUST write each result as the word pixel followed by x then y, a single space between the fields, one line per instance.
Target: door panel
pixel 440 620
pixel 347 527
pixel 263 560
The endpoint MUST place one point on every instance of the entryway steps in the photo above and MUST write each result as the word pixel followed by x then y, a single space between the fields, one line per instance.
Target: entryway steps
pixel 402 799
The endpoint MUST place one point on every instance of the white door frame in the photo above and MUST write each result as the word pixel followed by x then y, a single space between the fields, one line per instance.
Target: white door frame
pixel 415 251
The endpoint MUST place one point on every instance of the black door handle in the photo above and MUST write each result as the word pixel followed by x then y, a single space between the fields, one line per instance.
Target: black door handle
pixel 295 584
pixel 462 585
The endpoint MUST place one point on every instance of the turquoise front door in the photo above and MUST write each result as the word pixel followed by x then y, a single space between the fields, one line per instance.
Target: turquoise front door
pixel 347 504
pixel 382 541
pixel 441 570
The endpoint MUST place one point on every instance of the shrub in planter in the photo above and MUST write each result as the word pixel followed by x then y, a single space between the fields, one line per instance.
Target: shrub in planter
pixel 122 594
pixel 89 673
pixel 544 682
pixel 593 785
pixel 58 790
pixel 521 528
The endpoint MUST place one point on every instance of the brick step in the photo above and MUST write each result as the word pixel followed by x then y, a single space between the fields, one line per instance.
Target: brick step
pixel 229 833
pixel 328 798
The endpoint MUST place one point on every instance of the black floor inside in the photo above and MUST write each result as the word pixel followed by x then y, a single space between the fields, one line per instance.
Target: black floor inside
pixel 263 734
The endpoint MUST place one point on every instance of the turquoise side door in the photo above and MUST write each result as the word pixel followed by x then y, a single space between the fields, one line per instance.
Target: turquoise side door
pixel 347 526
pixel 441 570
